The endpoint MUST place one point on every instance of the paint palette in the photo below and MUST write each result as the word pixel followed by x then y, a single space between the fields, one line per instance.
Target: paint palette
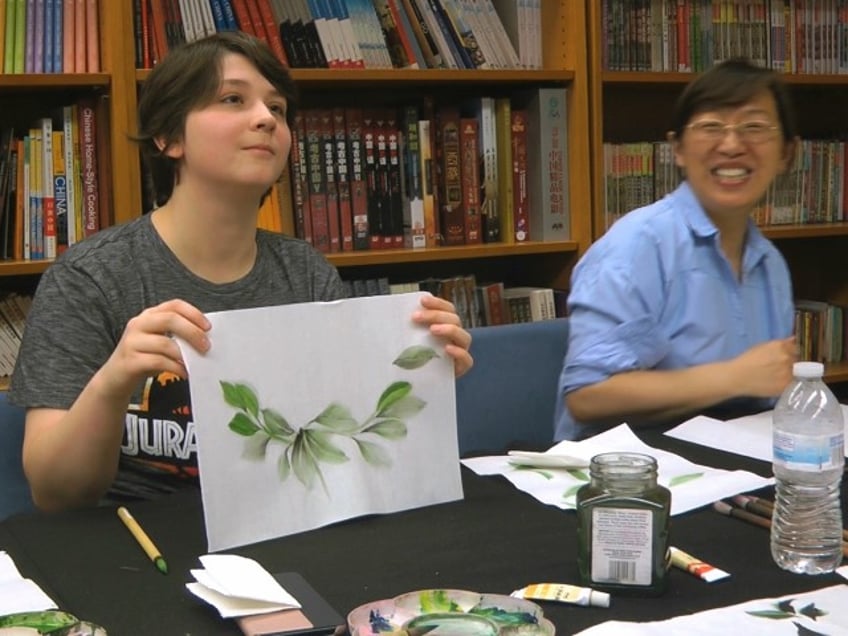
pixel 453 612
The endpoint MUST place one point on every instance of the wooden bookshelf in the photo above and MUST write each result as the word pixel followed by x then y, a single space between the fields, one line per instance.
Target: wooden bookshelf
pixel 564 64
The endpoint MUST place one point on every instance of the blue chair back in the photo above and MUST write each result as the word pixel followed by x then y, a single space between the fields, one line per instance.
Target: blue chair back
pixel 14 489
pixel 508 397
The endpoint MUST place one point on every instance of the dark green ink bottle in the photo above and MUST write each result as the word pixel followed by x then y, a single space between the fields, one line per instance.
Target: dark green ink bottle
pixel 622 526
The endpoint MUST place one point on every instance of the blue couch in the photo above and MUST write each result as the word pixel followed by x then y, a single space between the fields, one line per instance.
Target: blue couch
pixel 507 399
pixel 14 489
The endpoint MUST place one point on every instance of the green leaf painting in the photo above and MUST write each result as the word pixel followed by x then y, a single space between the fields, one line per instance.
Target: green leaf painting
pixel 322 440
pixel 785 609
pixel 415 357
pixel 682 479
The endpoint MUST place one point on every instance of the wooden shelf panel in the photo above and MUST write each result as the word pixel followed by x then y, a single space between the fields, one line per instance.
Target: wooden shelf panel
pixel 23 268
pixel 53 80
pixel 653 78
pixel 462 252
pixel 400 77
pixel 804 231
pixel 836 372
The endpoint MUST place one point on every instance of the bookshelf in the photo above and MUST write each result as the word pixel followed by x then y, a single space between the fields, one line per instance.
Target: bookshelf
pixel 23 97
pixel 564 64
pixel 631 106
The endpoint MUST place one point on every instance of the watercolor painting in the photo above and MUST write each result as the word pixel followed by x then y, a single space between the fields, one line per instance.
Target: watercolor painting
pixel 317 441
pixel 314 413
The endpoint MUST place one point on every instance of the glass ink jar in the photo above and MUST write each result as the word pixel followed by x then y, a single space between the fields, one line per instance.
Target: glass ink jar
pixel 622 526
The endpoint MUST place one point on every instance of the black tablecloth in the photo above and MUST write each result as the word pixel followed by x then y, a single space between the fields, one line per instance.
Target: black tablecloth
pixel 496 540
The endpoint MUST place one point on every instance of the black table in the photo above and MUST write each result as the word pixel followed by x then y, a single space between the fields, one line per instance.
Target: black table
pixel 496 540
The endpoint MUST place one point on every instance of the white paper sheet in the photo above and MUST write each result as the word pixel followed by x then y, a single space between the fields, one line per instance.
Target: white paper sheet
pixel 239 586
pixel 363 418
pixel 790 615
pixel 749 436
pixel 691 485
pixel 18 594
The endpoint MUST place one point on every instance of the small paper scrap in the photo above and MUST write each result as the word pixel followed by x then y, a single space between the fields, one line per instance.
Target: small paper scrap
pixel 238 586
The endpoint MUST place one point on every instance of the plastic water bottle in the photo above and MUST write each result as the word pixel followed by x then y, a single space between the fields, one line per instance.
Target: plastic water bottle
pixel 806 529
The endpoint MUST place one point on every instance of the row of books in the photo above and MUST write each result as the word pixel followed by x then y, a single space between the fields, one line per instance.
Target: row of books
pixel 820 330
pixel 49 36
pixel 478 305
pixel 474 34
pixel 13 311
pixel 813 190
pixel 50 194
pixel 432 175
pixel 792 36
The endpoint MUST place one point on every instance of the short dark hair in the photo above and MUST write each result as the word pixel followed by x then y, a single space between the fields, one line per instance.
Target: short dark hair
pixel 187 78
pixel 732 83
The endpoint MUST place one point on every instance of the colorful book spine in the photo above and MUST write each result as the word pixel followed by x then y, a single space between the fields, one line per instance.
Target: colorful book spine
pixel 342 170
pixel 48 209
pixel 69 130
pixel 452 215
pixel 548 165
pixel 520 191
pixel 60 191
pixel 88 167
pixel 9 36
pixel 470 170
pixel 414 180
pixel 358 187
pixel 503 110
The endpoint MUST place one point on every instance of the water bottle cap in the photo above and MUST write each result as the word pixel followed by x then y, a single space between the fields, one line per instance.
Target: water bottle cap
pixel 808 369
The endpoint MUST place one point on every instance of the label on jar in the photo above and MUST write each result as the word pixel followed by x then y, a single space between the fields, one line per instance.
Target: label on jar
pixel 622 540
pixel 808 452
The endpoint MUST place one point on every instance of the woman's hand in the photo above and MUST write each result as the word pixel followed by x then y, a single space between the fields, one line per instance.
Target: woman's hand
pixel 444 322
pixel 147 346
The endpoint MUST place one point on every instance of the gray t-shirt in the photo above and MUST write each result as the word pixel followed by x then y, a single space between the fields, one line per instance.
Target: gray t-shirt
pixel 83 303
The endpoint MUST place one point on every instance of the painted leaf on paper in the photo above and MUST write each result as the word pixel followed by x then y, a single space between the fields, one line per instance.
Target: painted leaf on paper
pixel 415 357
pixel 317 442
pixel 682 479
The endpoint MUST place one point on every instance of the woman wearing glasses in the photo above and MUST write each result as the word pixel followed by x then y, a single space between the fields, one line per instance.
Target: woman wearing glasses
pixel 683 304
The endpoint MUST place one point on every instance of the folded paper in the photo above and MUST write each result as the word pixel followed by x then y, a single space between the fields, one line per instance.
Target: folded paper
pixel 238 586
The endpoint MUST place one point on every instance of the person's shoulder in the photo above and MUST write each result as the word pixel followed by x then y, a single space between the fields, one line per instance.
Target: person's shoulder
pixel 109 245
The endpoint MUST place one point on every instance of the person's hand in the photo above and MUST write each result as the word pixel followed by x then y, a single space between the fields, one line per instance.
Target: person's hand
pixel 765 369
pixel 147 346
pixel 444 322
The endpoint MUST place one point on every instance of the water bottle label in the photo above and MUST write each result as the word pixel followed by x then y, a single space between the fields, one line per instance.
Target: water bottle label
pixel 807 452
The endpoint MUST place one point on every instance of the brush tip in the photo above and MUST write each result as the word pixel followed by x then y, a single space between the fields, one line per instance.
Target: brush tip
pixel 722 507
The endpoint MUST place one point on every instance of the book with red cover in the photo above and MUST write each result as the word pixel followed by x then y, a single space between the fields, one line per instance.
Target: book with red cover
pixel 272 30
pixel 470 172
pixel 317 182
pixel 452 217
pixel 520 194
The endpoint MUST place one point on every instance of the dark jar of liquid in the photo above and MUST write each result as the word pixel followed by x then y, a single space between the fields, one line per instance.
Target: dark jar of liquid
pixel 622 526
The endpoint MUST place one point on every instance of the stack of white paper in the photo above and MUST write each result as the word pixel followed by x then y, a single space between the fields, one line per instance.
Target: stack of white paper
pixel 18 594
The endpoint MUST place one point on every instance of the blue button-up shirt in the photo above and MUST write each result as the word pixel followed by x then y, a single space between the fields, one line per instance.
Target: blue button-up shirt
pixel 656 292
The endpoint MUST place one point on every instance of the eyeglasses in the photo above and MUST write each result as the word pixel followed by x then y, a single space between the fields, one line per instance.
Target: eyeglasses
pixel 754 132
